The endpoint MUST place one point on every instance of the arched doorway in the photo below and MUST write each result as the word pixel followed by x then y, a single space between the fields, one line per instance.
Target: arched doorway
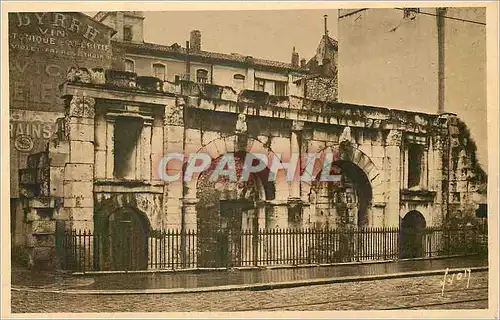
pixel 344 203
pixel 412 235
pixel 227 214
pixel 124 240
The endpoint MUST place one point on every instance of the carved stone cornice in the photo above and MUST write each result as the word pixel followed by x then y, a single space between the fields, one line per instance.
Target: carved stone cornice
pixel 394 138
pixel 81 106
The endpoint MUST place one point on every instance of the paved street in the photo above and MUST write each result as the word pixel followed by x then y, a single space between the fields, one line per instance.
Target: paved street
pixel 406 293
pixel 161 280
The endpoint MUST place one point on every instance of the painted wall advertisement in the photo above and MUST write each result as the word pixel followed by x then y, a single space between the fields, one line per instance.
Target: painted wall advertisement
pixel 42 47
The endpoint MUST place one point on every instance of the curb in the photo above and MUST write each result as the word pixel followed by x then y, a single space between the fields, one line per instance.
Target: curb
pixel 199 270
pixel 258 286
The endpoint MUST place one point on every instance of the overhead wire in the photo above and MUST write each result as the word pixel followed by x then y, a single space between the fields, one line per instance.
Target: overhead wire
pixel 446 17
pixel 419 12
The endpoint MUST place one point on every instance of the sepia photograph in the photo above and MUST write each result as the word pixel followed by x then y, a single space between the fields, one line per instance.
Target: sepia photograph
pixel 230 158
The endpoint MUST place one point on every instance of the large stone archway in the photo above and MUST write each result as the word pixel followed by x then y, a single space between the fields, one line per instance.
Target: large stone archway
pixel 343 203
pixel 227 209
pixel 222 210
pixel 217 198
pixel 348 202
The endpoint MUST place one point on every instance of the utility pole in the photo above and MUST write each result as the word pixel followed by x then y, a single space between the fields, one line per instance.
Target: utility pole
pixel 440 20
pixel 183 205
pixel 326 24
pixel 188 63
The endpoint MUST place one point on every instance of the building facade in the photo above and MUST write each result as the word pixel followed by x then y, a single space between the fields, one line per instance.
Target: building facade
pixel 42 46
pixel 102 171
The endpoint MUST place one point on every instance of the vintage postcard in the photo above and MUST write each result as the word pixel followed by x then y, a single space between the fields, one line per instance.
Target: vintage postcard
pixel 268 159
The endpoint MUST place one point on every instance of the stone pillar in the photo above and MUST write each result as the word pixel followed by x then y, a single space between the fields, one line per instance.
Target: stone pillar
pixel 291 86
pixel 190 213
pixel 156 146
pixel 405 167
pixel 173 142
pixel 263 239
pixel 100 145
pixel 295 149
pixel 110 137
pixel 437 179
pixel 79 171
pixel 250 79
pixel 41 234
pixel 145 151
pixel 424 183
pixel 430 166
pixel 294 200
pixel 261 219
pixel 190 241
pixel 119 25
pixel 139 155
pixel 393 153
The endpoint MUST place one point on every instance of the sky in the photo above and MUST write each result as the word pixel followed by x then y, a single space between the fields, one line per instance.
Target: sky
pixel 261 34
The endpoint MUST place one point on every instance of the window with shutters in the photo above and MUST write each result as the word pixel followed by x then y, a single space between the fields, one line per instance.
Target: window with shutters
pixel 202 76
pixel 129 65
pixel 159 71
pixel 260 85
pixel 280 88
pixel 127 33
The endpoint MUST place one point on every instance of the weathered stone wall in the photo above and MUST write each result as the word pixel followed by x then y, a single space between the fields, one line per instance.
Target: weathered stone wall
pixel 464 176
pixel 320 88
pixel 273 136
pixel 373 141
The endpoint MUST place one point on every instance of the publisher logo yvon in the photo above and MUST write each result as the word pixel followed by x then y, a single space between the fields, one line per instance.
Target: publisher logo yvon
pixel 42 46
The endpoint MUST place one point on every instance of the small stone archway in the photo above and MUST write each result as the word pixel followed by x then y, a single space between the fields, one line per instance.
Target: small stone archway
pixel 412 233
pixel 122 238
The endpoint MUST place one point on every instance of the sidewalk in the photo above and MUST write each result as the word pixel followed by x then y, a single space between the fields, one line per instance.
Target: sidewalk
pixel 188 281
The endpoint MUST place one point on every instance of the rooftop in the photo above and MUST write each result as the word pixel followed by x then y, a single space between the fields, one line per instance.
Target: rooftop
pixel 177 50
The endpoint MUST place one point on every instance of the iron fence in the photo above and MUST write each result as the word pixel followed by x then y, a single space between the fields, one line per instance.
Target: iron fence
pixel 173 249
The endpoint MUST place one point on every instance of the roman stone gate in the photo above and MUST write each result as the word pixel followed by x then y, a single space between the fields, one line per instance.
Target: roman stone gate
pixel 109 173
